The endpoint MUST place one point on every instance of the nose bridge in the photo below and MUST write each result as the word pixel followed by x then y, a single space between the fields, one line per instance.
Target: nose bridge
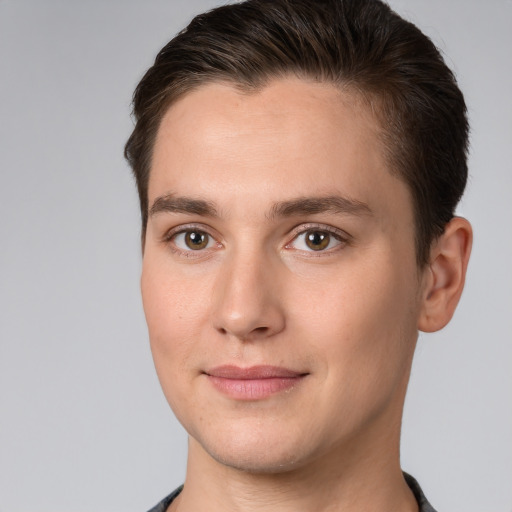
pixel 245 297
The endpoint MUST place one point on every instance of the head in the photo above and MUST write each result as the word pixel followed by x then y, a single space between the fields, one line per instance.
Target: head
pixel 362 47
pixel 298 166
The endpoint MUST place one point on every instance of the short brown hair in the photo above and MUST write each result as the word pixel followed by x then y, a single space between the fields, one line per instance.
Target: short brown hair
pixel 361 45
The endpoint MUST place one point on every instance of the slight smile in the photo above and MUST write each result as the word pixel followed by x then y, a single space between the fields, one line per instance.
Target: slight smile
pixel 253 383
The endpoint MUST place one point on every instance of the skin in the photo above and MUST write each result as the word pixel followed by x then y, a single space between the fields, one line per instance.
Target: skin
pixel 345 317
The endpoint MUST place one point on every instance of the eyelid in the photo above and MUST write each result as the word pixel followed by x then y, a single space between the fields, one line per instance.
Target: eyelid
pixel 186 227
pixel 309 226
pixel 170 234
pixel 341 235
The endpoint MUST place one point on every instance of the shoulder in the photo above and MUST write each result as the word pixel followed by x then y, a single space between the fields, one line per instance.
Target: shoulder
pixel 423 503
pixel 164 504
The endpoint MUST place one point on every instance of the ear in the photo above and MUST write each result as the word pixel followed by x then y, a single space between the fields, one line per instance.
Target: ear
pixel 445 275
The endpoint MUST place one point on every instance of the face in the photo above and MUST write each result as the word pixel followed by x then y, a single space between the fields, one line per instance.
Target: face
pixel 279 278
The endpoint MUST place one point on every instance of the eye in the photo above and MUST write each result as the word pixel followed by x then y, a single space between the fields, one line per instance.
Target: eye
pixel 315 240
pixel 193 240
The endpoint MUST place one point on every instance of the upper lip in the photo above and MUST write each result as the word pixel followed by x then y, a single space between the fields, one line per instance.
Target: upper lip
pixel 252 372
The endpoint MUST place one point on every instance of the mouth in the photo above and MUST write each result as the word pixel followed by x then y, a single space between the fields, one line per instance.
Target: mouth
pixel 253 383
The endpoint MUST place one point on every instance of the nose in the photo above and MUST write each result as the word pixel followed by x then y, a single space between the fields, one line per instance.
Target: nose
pixel 246 298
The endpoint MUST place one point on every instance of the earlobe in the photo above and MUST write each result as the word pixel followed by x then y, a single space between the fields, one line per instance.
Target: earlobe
pixel 445 275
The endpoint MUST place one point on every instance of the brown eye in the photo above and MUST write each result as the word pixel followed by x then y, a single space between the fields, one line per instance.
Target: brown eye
pixel 191 240
pixel 196 240
pixel 317 240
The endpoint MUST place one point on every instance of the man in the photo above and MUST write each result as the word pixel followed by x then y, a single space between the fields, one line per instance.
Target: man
pixel 298 166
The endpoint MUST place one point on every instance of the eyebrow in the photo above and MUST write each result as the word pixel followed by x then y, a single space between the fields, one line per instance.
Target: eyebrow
pixel 171 204
pixel 313 205
pixel 293 207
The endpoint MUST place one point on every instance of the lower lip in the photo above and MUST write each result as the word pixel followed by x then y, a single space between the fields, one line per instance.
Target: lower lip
pixel 253 389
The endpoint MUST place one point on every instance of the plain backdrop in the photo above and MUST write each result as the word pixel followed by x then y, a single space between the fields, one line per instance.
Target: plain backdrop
pixel 83 423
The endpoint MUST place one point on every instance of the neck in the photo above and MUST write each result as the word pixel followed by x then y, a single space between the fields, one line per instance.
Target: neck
pixel 346 479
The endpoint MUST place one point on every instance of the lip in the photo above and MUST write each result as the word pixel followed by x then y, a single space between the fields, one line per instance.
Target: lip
pixel 252 383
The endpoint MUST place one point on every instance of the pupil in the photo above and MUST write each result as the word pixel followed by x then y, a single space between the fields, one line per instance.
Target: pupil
pixel 317 240
pixel 196 239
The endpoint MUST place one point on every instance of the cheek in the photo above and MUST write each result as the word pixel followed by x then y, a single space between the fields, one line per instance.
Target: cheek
pixel 171 298
pixel 361 322
pixel 176 309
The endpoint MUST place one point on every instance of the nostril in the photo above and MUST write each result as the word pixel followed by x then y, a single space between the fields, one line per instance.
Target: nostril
pixel 253 333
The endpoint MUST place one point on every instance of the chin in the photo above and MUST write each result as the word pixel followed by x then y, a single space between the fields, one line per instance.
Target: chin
pixel 261 452
pixel 257 462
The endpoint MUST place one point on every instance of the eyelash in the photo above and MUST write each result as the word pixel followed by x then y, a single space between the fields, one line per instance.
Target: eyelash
pixel 340 236
pixel 170 239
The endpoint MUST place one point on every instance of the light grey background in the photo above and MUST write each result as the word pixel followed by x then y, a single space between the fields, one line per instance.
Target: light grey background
pixel 83 423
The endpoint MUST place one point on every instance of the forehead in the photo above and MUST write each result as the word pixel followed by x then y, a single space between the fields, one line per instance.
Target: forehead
pixel 291 138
